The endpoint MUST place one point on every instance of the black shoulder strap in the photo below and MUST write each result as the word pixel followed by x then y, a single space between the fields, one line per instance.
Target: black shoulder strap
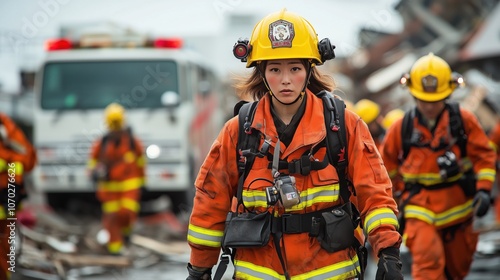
pixel 105 140
pixel 457 127
pixel 247 139
pixel 406 132
pixel 336 138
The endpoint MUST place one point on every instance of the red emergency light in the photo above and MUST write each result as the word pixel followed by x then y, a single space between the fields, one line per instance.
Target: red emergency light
pixel 168 43
pixel 58 44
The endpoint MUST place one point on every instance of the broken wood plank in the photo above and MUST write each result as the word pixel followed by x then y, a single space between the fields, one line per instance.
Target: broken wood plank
pixel 162 248
pixel 90 260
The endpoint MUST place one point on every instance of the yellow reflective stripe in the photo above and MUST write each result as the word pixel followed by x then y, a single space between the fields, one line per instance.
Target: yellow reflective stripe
pixel 466 164
pixel 92 163
pixel 130 204
pixel 3 216
pixel 429 179
pixel 493 145
pixel 341 270
pixel 393 173
pixel 18 168
pixel 111 206
pixel 379 217
pixel 115 247
pixel 446 217
pixel 141 161
pixel 486 174
pixel 3 165
pixel 129 157
pixel 122 186
pixel 203 236
pixel 309 197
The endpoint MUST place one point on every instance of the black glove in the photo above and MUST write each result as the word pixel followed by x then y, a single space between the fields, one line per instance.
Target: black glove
pixel 197 274
pixel 481 203
pixel 389 265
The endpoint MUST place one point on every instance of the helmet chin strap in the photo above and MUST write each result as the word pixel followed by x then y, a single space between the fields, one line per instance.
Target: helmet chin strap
pixel 302 92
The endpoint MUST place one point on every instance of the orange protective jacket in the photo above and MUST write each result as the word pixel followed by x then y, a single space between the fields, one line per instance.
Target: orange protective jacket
pixel 17 155
pixel 217 183
pixel 125 166
pixel 445 206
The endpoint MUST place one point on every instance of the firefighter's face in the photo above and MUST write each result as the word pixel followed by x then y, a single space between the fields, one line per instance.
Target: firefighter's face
pixel 286 78
pixel 430 110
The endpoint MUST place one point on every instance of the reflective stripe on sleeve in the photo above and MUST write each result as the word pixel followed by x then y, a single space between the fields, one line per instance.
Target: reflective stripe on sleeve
pixel 379 217
pixel 486 174
pixel 205 237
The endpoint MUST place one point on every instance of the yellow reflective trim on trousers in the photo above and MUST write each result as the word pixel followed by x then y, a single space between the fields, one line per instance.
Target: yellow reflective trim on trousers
pixel 447 217
pixel 130 204
pixel 379 217
pixel 205 237
pixel 486 174
pixel 111 206
pixel 115 205
pixel 342 270
pixel 92 163
pixel 309 197
pixel 115 247
pixel 122 186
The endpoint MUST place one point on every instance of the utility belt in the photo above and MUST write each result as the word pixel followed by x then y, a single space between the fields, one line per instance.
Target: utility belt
pixel 467 182
pixel 334 227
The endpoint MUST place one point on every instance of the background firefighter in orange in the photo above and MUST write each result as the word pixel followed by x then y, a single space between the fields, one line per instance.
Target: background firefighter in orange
pixel 284 51
pixel 369 112
pixel 17 156
pixel 117 166
pixel 444 182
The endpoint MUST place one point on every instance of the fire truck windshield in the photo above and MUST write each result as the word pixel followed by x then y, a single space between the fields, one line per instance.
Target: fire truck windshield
pixel 93 85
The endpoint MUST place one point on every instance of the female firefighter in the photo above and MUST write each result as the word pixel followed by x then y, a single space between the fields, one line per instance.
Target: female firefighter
pixel 445 168
pixel 299 209
pixel 117 167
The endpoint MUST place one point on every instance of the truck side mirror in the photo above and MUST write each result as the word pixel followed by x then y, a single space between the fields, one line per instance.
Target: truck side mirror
pixel 170 100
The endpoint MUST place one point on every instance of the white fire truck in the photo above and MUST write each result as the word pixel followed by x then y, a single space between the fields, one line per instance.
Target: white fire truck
pixel 172 101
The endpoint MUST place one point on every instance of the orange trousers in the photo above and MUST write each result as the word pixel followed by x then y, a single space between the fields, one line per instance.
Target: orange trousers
pixel 119 215
pixel 438 253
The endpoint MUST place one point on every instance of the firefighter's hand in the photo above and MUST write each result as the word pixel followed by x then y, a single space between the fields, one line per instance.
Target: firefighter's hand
pixel 197 273
pixel 389 265
pixel 481 203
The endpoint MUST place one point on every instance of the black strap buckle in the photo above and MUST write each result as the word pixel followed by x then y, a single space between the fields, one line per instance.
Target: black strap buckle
pixel 291 224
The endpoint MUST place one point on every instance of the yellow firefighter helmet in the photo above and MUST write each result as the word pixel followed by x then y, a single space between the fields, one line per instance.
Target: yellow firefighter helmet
pixel 367 110
pixel 283 35
pixel 431 79
pixel 114 116
pixel 392 116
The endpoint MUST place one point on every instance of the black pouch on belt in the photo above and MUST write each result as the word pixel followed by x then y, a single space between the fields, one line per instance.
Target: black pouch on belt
pixel 338 230
pixel 246 230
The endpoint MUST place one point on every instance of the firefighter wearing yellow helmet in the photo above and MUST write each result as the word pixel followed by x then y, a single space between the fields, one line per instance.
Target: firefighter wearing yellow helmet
pixel 391 117
pixel 443 169
pixel 117 168
pixel 287 239
pixel 114 117
pixel 369 112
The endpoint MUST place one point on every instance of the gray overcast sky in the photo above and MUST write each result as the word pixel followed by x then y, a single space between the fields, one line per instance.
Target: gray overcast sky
pixel 25 24
pixel 337 19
